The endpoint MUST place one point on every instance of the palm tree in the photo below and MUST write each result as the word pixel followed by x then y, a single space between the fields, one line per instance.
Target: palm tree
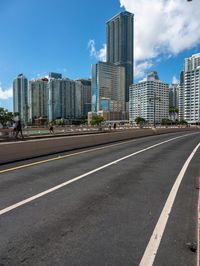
pixel 173 112
pixel 140 121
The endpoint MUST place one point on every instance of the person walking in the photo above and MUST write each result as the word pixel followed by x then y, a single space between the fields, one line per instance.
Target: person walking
pixel 51 129
pixel 19 130
pixel 110 126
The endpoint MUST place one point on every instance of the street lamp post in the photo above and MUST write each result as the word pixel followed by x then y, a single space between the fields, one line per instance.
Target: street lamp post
pixel 154 98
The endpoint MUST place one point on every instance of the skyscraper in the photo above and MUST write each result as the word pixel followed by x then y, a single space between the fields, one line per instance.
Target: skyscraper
pixel 20 97
pixel 119 39
pixel 192 89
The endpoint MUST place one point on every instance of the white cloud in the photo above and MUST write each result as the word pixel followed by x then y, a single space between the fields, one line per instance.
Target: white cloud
pixel 163 27
pixel 101 54
pixel 6 94
pixel 141 68
pixel 175 80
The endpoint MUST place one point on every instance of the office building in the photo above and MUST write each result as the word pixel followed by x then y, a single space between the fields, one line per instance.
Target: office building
pixel 20 97
pixel 119 39
pixel 149 99
pixel 192 89
pixel 108 88
pixel 38 99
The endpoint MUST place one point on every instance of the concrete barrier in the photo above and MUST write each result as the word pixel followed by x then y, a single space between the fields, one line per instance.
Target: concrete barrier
pixel 13 152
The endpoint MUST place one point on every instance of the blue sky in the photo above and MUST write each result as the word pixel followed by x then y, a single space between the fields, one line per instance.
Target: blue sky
pixel 39 36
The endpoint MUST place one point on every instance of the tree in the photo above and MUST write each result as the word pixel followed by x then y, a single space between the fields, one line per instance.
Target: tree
pixel 166 122
pixel 183 122
pixel 6 117
pixel 140 121
pixel 173 111
pixel 96 120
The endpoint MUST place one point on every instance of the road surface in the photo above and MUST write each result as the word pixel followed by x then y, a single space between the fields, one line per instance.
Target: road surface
pixel 101 205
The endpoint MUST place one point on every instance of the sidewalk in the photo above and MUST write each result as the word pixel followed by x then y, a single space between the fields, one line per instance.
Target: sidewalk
pixel 48 135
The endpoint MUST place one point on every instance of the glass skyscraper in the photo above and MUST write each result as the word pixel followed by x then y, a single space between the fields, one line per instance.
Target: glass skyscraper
pixel 119 39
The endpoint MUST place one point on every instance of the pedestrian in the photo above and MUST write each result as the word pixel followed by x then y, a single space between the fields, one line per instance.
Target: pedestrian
pixel 14 128
pixel 19 130
pixel 109 126
pixel 115 126
pixel 51 129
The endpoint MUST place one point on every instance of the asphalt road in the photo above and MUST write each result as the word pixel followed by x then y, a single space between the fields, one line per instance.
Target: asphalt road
pixel 107 215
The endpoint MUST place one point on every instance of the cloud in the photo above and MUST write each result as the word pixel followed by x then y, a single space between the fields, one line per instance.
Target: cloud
pixel 175 80
pixel 164 27
pixel 6 94
pixel 101 54
pixel 141 68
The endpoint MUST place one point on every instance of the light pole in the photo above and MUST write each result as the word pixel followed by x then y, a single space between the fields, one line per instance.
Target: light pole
pixel 154 98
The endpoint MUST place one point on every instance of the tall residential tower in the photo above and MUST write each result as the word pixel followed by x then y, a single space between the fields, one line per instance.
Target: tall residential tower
pixel 119 39
pixel 192 89
pixel 20 97
pixel 149 99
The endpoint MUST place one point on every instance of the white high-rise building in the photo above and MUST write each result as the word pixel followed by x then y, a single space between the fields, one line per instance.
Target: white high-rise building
pixel 192 89
pixel 20 97
pixel 38 99
pixel 149 99
pixel 65 99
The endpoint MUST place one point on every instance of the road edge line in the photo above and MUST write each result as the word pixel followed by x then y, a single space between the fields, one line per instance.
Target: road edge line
pixel 156 237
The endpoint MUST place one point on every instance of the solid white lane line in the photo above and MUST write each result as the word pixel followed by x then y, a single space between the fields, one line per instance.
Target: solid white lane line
pixel 154 242
pixel 198 227
pixel 16 205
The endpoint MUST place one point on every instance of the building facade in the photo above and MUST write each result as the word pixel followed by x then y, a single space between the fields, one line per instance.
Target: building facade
pixel 38 99
pixel 192 89
pixel 108 88
pixel 119 39
pixel 20 97
pixel 174 95
pixel 85 88
pixel 181 97
pixel 65 99
pixel 149 99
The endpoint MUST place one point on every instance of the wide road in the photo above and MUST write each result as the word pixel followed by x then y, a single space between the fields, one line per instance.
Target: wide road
pixel 107 205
